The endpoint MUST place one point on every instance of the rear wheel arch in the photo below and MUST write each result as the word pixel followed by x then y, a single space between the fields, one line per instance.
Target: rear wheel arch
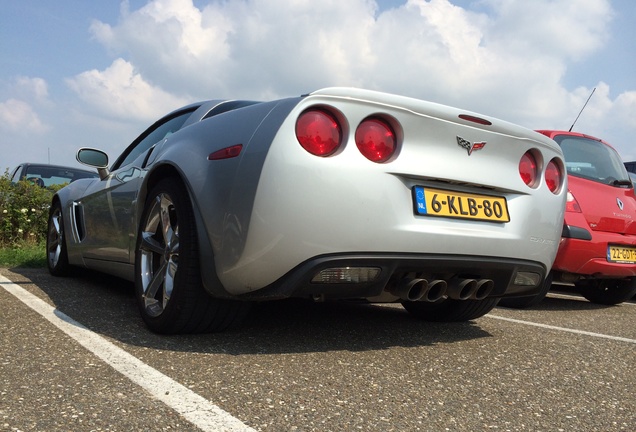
pixel 181 304
pixel 211 282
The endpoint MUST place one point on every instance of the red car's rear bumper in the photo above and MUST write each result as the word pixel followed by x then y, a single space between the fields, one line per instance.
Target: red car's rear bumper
pixel 584 252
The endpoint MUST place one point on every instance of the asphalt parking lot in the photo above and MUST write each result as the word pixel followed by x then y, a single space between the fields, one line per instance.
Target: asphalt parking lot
pixel 76 356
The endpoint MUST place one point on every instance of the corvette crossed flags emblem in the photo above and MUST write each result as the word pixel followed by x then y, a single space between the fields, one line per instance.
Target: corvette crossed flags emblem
pixel 470 147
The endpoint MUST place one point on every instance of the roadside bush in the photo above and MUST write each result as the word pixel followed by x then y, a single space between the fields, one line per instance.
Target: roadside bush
pixel 24 211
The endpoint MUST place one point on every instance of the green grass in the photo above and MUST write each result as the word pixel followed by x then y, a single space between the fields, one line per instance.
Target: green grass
pixel 31 256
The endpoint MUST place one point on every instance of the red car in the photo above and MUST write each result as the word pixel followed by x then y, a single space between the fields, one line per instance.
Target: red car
pixel 597 251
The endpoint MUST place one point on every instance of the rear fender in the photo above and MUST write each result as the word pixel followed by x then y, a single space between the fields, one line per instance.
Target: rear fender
pixel 221 191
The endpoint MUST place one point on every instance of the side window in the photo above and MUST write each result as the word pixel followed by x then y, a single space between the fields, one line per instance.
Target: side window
pixel 15 177
pixel 152 136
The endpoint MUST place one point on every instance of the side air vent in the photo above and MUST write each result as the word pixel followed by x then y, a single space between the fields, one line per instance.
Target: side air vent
pixel 79 231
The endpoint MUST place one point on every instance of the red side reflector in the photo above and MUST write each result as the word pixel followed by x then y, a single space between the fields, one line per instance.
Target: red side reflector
pixel 226 153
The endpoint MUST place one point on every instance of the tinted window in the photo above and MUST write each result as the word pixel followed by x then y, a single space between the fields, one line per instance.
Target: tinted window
pixel 152 136
pixel 591 159
pixel 49 175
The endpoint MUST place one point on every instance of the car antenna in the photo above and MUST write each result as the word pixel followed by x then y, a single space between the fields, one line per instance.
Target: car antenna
pixel 577 117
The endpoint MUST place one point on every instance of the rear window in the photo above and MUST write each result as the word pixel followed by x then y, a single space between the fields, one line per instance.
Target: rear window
pixel 591 159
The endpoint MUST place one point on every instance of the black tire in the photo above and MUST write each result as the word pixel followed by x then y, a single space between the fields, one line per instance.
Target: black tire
pixel 607 291
pixel 450 310
pixel 56 251
pixel 168 286
pixel 528 301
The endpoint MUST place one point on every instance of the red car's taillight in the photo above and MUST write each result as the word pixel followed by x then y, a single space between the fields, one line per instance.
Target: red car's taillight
pixel 571 205
pixel 528 168
pixel 376 140
pixel 318 132
pixel 553 176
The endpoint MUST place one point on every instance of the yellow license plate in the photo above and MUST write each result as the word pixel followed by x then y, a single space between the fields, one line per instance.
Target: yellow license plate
pixel 438 202
pixel 621 254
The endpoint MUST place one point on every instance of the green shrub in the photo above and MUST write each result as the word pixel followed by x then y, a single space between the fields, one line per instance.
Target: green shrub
pixel 24 211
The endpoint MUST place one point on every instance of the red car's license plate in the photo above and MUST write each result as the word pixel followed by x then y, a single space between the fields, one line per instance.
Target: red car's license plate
pixel 621 254
pixel 438 202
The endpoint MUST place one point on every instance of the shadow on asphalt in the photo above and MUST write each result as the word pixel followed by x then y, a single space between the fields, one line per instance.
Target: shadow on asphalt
pixel 107 306
pixel 573 302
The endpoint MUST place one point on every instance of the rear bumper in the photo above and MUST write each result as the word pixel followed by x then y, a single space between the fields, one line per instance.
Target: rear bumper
pixel 298 282
pixel 584 252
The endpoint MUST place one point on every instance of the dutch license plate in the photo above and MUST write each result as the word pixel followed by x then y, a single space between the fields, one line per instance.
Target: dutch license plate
pixel 438 202
pixel 621 254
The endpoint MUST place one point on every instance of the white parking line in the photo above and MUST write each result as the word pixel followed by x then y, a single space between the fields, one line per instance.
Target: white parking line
pixel 563 329
pixel 196 409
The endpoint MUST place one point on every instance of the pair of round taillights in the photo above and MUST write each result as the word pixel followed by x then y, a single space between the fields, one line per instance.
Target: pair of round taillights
pixel 319 132
pixel 529 172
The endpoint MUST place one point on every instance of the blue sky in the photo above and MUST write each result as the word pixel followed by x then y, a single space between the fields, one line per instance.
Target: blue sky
pixel 75 73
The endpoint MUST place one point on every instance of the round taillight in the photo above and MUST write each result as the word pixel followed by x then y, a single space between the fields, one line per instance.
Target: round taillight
pixel 553 176
pixel 376 140
pixel 318 132
pixel 528 169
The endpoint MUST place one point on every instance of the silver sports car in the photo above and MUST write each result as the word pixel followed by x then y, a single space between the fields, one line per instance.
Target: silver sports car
pixel 338 194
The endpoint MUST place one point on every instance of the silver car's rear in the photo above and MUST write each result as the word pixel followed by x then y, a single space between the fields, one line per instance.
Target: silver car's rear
pixel 462 197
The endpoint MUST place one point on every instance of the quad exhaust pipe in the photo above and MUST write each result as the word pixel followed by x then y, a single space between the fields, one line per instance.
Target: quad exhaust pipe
pixel 469 289
pixel 420 289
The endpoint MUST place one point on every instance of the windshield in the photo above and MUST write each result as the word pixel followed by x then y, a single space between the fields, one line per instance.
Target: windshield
pixel 593 160
pixel 45 176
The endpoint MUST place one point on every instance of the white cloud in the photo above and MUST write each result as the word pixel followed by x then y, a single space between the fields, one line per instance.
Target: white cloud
pixel 35 89
pixel 120 92
pixel 506 58
pixel 563 28
pixel 18 116
pixel 625 110
pixel 430 49
pixel 19 113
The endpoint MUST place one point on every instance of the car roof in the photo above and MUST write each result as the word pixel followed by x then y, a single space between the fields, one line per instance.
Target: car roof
pixel 564 132
pixel 64 167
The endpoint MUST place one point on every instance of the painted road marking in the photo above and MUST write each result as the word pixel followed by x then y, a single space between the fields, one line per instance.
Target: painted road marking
pixel 563 329
pixel 194 408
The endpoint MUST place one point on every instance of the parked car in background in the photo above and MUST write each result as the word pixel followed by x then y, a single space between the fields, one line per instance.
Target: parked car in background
pixel 46 175
pixel 338 194
pixel 630 166
pixel 597 252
